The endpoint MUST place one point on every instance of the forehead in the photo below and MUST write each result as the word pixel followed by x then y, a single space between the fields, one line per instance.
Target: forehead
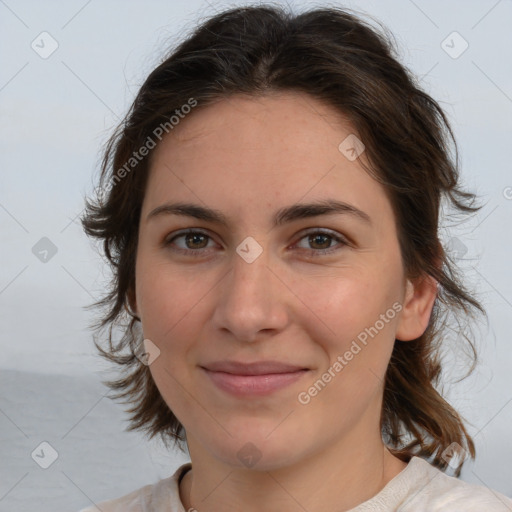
pixel 245 152
pixel 263 123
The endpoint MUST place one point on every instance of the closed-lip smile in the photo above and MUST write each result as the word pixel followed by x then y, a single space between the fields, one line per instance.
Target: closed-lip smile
pixel 257 378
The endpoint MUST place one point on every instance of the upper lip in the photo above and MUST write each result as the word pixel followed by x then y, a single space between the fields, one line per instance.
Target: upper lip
pixel 257 368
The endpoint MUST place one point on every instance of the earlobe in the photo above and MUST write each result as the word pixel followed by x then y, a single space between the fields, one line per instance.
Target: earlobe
pixel 420 296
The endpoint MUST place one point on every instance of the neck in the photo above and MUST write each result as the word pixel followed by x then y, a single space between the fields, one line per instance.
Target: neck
pixel 340 478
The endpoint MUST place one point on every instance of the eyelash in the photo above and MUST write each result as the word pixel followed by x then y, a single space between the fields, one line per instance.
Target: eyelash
pixel 315 253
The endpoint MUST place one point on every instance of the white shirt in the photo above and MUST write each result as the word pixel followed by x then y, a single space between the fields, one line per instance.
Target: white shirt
pixel 420 487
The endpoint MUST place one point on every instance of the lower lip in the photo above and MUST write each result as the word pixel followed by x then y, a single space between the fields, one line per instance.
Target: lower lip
pixel 258 385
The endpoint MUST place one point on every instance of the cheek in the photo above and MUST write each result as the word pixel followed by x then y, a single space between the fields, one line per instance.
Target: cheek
pixel 169 299
pixel 351 305
pixel 361 324
pixel 359 316
pixel 171 306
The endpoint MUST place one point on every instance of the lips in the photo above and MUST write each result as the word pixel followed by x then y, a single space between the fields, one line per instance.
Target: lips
pixel 257 368
pixel 252 379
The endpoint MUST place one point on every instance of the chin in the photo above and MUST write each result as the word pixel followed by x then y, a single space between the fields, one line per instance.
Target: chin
pixel 255 450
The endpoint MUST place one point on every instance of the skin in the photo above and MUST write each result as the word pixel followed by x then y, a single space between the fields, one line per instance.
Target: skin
pixel 248 157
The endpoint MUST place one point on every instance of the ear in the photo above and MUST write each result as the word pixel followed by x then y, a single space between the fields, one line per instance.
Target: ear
pixel 420 296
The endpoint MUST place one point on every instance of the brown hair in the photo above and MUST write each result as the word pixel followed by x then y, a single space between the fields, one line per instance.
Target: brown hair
pixel 338 58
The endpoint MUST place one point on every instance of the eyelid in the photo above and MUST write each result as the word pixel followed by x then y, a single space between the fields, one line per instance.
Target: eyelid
pixel 336 236
pixel 182 232
pixel 342 239
pixel 325 231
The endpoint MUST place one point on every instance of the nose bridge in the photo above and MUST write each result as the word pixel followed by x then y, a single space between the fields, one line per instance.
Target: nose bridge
pixel 250 299
pixel 250 267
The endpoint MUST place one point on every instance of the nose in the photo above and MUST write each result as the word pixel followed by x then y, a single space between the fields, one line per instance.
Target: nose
pixel 253 301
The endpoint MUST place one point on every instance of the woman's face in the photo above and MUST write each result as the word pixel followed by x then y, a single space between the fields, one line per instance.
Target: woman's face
pixel 262 279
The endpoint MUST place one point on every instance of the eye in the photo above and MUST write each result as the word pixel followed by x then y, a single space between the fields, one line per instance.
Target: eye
pixel 323 239
pixel 193 240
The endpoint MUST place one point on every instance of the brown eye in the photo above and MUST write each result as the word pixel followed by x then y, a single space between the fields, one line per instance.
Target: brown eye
pixel 196 240
pixel 321 239
pixel 193 242
pixel 321 242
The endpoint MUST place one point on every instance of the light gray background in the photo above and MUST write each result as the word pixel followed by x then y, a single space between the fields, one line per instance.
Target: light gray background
pixel 55 114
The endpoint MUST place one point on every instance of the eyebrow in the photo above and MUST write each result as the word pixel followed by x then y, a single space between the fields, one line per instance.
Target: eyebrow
pixel 282 216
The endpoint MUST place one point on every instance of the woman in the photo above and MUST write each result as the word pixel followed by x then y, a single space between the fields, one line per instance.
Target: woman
pixel 270 208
